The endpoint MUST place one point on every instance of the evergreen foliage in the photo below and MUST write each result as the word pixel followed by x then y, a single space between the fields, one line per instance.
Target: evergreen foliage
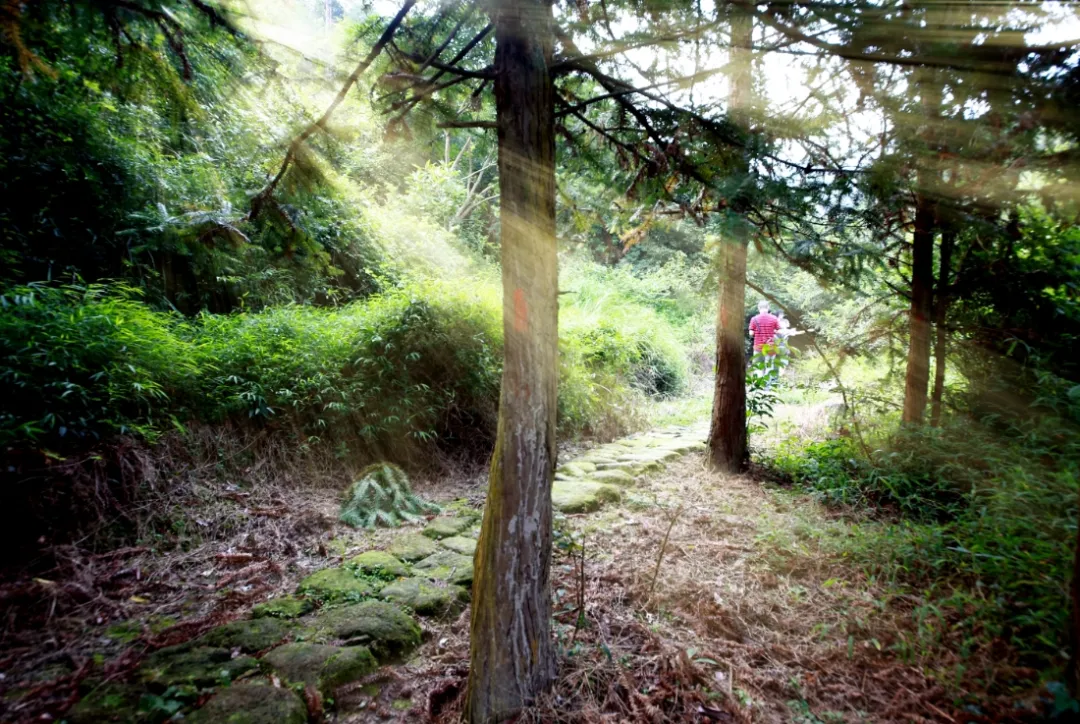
pixel 382 496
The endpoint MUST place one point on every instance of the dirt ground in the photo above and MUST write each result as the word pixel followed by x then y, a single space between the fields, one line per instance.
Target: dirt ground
pixel 699 597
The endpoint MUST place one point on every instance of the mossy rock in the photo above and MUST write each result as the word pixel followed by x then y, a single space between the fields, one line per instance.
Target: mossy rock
pixel 379 564
pixel 383 627
pixel 336 585
pixel 324 667
pixel 582 496
pixel 283 607
pixel 633 468
pixel 577 468
pixel 199 666
pixel 252 704
pixel 106 703
pixel 250 636
pixel 659 455
pixel 446 566
pixel 460 544
pixel 412 547
pixel 446 527
pixel 425 597
pixel 616 477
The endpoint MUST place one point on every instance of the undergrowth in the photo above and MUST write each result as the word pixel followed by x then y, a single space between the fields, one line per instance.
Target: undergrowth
pixel 976 526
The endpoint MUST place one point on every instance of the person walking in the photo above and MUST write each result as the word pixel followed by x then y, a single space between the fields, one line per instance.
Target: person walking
pixel 763 326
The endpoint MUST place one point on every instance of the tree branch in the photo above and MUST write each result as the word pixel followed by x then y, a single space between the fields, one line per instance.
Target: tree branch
pixel 260 198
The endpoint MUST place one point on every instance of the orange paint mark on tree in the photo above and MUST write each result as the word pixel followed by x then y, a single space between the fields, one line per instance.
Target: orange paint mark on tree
pixel 521 311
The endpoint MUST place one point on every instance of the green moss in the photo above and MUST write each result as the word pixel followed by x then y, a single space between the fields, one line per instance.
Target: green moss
pixel 446 566
pixel 124 632
pixel 401 704
pixel 424 597
pixel 412 547
pixel 582 496
pixel 379 564
pixel 460 544
pixel 383 627
pixel 446 527
pixel 283 607
pixel 336 585
pixel 325 667
pixel 107 703
pixel 617 477
pixel 252 704
pixel 200 666
pixel 250 636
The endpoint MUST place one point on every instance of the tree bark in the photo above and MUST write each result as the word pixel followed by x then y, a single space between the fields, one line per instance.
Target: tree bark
pixel 512 658
pixel 941 309
pixel 727 430
pixel 917 377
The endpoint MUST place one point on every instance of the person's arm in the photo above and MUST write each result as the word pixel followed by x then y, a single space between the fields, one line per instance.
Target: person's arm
pixel 753 324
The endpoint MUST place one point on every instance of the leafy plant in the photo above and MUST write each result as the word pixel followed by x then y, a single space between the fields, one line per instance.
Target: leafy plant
pixel 382 496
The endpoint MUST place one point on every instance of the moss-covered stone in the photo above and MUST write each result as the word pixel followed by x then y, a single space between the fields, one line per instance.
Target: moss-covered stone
pixel 383 627
pixel 425 597
pixel 446 527
pixel 335 585
pixel 194 665
pixel 446 566
pixel 252 704
pixel 633 468
pixel 616 477
pixel 460 544
pixel 250 636
pixel 283 607
pixel 577 468
pixel 582 496
pixel 106 703
pixel 324 667
pixel 379 564
pixel 412 547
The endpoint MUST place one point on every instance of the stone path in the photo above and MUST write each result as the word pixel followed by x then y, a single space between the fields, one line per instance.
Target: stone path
pixel 345 622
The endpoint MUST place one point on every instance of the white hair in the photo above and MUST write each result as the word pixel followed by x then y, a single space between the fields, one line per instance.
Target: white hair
pixel 762 304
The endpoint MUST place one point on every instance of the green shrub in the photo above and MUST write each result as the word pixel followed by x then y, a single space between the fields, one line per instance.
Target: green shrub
pixel 985 529
pixel 415 366
pixel 82 363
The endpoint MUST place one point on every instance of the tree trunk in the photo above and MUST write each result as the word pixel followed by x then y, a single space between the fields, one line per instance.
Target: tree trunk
pixel 512 658
pixel 917 378
pixel 922 294
pixel 727 431
pixel 941 309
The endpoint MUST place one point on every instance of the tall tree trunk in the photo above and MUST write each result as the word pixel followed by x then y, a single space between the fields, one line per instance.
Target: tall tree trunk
pixel 941 309
pixel 512 658
pixel 917 377
pixel 727 431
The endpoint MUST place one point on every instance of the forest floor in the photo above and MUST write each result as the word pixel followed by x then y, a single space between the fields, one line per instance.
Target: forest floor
pixel 695 597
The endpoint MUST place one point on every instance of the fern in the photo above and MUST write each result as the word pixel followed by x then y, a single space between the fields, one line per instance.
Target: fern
pixel 382 496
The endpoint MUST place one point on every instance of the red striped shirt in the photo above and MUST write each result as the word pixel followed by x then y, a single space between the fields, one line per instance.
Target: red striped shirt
pixel 764 327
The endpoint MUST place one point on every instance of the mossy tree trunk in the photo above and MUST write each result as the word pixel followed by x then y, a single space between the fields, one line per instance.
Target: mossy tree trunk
pixel 727 431
pixel 512 658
